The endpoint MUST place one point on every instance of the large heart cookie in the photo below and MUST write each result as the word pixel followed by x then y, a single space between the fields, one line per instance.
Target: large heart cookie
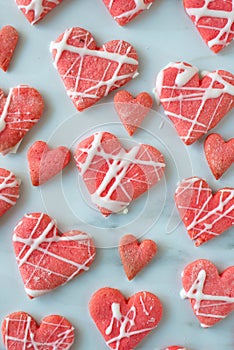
pixel 194 105
pixel 124 323
pixel 19 112
pixel 214 19
pixel 210 294
pixel 8 42
pixel 89 72
pixel 47 259
pixel 115 176
pixel 35 10
pixel 219 154
pixel 9 190
pixel 124 11
pixel 20 331
pixel 204 215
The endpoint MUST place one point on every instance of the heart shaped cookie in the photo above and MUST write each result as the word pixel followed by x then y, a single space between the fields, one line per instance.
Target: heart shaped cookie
pixel 47 259
pixel 35 10
pixel 214 19
pixel 194 105
pixel 89 72
pixel 20 331
pixel 9 190
pixel 134 255
pixel 124 323
pixel 204 215
pixel 124 11
pixel 19 112
pixel 45 163
pixel 132 111
pixel 114 176
pixel 210 294
pixel 219 154
pixel 8 42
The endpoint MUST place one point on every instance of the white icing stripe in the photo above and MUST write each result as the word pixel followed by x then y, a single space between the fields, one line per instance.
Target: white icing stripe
pixel 7 182
pixel 196 292
pixel 117 169
pixel 222 34
pixel 196 93
pixel 140 5
pixel 38 8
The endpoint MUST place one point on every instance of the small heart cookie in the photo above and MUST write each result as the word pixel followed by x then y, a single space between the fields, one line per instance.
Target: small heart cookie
pixel 132 111
pixel 122 322
pixel 214 19
pixel 9 190
pixel 219 154
pixel 89 72
pixel 35 10
pixel 20 331
pixel 47 259
pixel 19 112
pixel 205 215
pixel 8 42
pixel 115 176
pixel 210 294
pixel 45 163
pixel 134 255
pixel 124 11
pixel 194 105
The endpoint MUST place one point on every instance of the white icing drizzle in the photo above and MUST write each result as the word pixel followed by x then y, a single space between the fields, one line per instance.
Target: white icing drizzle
pixel 93 90
pixel 222 34
pixel 38 8
pixel 204 219
pixel 62 331
pixel 184 75
pixel 196 292
pixel 125 323
pixel 42 244
pixel 139 5
pixel 122 162
pixel 7 182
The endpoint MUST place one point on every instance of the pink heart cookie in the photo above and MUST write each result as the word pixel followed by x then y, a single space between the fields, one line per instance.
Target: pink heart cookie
pixel 45 163
pixel 47 259
pixel 194 105
pixel 35 10
pixel 115 176
pixel 210 294
pixel 205 215
pixel 132 111
pixel 214 19
pixel 124 323
pixel 89 72
pixel 124 11
pixel 19 112
pixel 9 190
pixel 8 42
pixel 20 331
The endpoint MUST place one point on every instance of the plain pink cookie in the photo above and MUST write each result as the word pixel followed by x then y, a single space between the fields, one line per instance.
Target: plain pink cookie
pixel 194 105
pixel 20 331
pixel 132 111
pixel 205 215
pixel 89 72
pixel 45 163
pixel 115 176
pixel 210 294
pixel 35 10
pixel 8 42
pixel 214 19
pixel 122 322
pixel 9 190
pixel 19 112
pixel 47 259
pixel 124 11
pixel 219 154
